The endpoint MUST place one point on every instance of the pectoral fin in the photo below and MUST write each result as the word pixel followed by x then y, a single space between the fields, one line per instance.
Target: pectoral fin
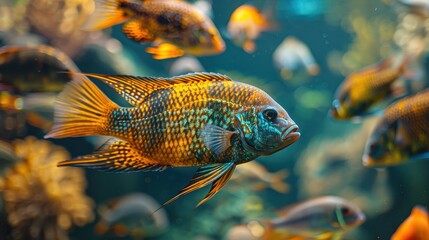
pixel 216 138
pixel 114 156
pixel 164 51
pixel 218 174
pixel 218 184
pixel 135 30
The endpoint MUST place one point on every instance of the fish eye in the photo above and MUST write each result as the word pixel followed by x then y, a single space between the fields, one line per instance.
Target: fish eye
pixel 345 210
pixel 270 114
pixel 375 150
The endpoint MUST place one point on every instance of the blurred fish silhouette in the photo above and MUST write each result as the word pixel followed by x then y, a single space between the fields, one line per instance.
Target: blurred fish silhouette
pixel 175 27
pixel 184 65
pixel 132 215
pixel 33 89
pixel 205 6
pixel 319 218
pixel 361 91
pixel 415 227
pixel 419 7
pixel 246 24
pixel 291 55
pixel 401 134
pixel 41 63
pixel 200 119
pixel 259 178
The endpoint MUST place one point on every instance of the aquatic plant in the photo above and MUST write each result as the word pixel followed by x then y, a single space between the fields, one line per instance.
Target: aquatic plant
pixel 371 24
pixel 41 200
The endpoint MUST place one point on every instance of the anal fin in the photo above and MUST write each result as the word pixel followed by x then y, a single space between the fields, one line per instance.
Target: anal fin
pixel 136 31
pixel 114 156
pixel 164 51
pixel 218 174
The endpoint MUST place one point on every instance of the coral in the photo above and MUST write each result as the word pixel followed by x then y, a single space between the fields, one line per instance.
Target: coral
pixel 41 200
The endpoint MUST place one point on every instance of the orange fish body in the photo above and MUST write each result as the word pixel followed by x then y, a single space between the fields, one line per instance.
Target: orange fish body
pixel 415 227
pixel 199 119
pixel 245 25
pixel 175 27
pixel 363 89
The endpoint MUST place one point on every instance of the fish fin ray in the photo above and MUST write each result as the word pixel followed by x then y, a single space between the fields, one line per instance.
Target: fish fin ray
pixel 114 156
pixel 106 14
pixel 135 89
pixel 165 51
pixel 218 184
pixel 216 138
pixel 203 177
pixel 81 109
pixel 136 31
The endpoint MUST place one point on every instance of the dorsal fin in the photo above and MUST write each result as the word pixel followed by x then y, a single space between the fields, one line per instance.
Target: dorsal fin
pixel 136 89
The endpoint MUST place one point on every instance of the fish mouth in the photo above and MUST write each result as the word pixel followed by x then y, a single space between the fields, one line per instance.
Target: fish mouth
pixel 361 218
pixel 290 135
pixel 366 161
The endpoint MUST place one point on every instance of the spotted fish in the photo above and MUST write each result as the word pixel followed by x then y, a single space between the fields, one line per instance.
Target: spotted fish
pixel 174 27
pixel 199 119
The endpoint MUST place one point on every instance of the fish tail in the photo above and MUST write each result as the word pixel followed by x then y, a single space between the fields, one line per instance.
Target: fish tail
pixel 81 109
pixel 114 156
pixel 108 13
pixel 277 182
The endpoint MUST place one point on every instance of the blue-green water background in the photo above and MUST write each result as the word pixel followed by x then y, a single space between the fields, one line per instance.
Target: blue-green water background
pixel 408 183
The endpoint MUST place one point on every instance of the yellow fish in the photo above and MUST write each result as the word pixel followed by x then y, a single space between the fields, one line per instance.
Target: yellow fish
pixel 175 27
pixel 362 90
pixel 200 119
pixel 245 25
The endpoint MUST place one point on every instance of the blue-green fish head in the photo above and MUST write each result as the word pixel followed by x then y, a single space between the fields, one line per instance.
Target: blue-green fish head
pixel 266 129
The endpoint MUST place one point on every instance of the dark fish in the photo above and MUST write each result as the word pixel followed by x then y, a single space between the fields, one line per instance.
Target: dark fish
pixel 29 75
pixel 33 69
pixel 200 119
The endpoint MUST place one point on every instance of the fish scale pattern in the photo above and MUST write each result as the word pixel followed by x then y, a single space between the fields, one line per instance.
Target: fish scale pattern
pixel 166 127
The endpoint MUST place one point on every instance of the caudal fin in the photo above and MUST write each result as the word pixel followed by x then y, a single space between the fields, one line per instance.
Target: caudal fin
pixel 277 181
pixel 81 109
pixel 107 13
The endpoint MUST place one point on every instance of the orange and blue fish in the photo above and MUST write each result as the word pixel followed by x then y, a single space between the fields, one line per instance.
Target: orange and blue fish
pixel 174 27
pixel 200 119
